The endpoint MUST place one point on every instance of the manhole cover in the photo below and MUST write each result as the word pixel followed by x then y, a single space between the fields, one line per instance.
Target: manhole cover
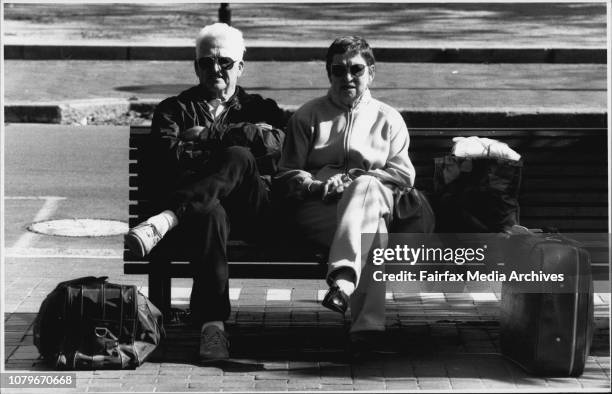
pixel 79 227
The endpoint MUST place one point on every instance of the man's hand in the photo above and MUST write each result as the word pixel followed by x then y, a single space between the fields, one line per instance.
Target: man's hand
pixel 189 145
pixel 335 185
pixel 191 134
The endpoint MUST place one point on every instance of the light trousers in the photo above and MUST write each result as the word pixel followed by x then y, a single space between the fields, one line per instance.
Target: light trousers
pixel 352 227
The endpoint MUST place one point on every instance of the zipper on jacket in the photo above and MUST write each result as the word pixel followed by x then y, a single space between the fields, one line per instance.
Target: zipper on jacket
pixel 219 120
pixel 347 138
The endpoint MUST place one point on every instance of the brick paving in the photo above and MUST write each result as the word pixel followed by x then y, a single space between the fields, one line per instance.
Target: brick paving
pixel 433 342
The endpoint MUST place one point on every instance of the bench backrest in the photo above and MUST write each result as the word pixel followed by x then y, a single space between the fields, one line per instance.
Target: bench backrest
pixel 564 176
pixel 564 185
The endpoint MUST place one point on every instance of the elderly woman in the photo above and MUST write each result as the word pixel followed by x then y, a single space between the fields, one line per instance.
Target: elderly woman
pixel 344 155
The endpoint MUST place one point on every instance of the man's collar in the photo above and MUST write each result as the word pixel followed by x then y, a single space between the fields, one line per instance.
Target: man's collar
pixel 205 95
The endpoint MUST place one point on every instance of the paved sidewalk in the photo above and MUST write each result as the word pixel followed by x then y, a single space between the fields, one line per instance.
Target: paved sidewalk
pixel 282 339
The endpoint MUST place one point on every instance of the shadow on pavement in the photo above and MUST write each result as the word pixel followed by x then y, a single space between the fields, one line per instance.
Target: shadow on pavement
pixel 275 346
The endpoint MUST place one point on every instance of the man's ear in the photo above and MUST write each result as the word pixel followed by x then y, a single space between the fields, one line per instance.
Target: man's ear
pixel 196 68
pixel 240 67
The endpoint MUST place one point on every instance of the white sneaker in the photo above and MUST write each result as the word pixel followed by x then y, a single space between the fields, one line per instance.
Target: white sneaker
pixel 141 239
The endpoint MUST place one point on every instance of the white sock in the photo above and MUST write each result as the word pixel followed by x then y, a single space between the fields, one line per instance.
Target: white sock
pixel 347 286
pixel 164 221
pixel 218 324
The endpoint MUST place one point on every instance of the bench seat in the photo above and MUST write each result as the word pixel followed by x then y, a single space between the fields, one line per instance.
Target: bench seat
pixel 564 186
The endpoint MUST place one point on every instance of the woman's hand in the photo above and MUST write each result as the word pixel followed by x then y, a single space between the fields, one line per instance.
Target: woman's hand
pixel 335 186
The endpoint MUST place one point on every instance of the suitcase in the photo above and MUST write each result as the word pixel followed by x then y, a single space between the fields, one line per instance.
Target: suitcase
pixel 87 323
pixel 547 330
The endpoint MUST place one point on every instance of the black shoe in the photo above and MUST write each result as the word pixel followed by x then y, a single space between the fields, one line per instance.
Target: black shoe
pixel 336 300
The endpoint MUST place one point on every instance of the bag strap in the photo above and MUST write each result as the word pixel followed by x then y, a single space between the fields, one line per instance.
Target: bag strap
pixel 82 281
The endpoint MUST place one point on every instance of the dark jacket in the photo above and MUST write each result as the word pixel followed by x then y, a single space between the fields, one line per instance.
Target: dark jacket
pixel 170 156
pixel 177 114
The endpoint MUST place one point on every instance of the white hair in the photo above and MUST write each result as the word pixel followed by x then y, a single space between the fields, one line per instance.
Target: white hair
pixel 222 32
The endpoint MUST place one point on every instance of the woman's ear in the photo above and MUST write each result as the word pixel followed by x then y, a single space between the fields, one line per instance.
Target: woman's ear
pixel 372 70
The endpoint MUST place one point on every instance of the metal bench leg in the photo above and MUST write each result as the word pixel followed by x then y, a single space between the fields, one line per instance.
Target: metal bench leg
pixel 160 286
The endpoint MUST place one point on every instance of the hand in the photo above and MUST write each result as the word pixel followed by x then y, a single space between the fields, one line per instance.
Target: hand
pixel 315 188
pixel 335 186
pixel 264 126
pixel 191 134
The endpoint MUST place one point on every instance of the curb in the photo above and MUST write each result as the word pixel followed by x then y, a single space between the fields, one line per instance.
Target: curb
pixel 293 53
pixel 124 112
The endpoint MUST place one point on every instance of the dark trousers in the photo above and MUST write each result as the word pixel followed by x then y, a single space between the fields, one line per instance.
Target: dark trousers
pixel 227 193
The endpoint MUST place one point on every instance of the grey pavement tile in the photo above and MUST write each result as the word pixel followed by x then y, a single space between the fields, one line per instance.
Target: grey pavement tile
pixel 176 371
pixel 85 374
pixel 528 381
pixel 237 379
pixel 272 385
pixel 466 384
pixel 434 384
pixel 171 387
pixel 202 386
pixel 229 376
pixel 336 380
pixel 111 374
pixel 138 388
pixel 313 380
pixel 599 384
pixel 403 385
pixel 147 370
pixel 562 382
pixel 593 381
pixel 232 389
pixel 368 374
pixel 335 387
pixel 132 378
pixel 373 386
pixel 500 383
pixel 205 379
pixel 99 388
pixel 302 387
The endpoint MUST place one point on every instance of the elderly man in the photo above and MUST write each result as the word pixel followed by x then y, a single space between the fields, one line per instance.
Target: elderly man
pixel 213 141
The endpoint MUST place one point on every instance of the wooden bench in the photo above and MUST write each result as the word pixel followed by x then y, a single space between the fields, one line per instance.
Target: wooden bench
pixel 564 185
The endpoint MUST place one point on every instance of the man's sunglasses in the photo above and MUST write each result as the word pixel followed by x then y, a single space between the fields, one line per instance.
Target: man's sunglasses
pixel 208 62
pixel 340 70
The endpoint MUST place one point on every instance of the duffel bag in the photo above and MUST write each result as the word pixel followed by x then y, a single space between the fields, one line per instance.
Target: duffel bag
pixel 476 195
pixel 88 323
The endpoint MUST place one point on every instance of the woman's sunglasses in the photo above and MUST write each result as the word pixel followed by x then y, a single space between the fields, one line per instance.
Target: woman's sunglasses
pixel 208 62
pixel 340 70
